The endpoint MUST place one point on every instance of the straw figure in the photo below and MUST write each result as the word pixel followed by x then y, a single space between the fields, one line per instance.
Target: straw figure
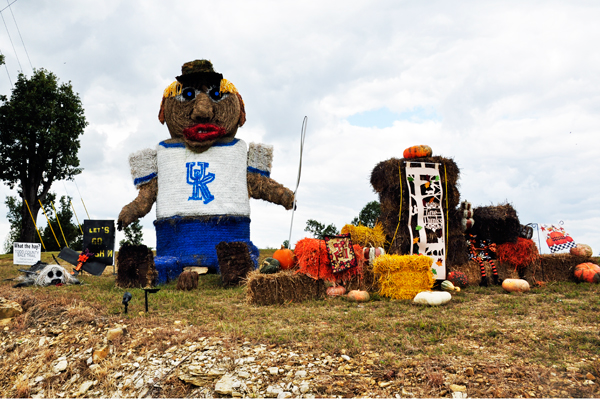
pixel 202 177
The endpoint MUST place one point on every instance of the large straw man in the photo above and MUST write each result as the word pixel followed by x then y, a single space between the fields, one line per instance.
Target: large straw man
pixel 202 177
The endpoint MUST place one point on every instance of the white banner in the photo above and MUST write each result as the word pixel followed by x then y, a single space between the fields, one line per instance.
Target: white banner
pixel 426 214
pixel 26 253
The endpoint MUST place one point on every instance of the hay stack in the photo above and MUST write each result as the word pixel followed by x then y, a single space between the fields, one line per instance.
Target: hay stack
pixel 234 262
pixel 283 287
pixel 187 281
pixel 135 267
pixel 403 276
pixel 559 267
pixel 473 272
pixel 389 180
pixel 499 223
pixel 365 236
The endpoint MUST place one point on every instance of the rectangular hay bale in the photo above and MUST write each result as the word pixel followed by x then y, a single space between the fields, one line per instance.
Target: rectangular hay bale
pixel 282 287
pixel 403 276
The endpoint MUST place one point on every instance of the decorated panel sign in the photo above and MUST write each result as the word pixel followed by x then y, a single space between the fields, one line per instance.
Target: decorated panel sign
pixel 99 238
pixel 426 219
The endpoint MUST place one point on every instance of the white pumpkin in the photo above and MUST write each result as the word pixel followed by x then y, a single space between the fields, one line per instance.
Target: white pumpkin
pixel 433 298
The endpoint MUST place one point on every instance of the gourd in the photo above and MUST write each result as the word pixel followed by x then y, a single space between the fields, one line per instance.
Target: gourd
pixel 588 272
pixel 581 250
pixel 459 279
pixel 336 290
pixel 448 286
pixel 359 296
pixel 417 151
pixel 285 257
pixel 269 266
pixel 515 285
pixel 433 298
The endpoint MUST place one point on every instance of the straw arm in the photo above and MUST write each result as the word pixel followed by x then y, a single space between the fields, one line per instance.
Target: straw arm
pixel 265 188
pixel 140 206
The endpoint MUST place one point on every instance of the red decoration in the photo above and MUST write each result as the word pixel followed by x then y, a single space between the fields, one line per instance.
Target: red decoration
pixel 520 254
pixel 313 261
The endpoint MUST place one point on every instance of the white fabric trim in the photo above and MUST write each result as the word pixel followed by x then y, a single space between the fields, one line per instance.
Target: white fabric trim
pixel 143 166
pixel 260 156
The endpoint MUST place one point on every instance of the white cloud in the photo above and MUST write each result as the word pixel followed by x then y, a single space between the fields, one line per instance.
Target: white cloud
pixel 513 86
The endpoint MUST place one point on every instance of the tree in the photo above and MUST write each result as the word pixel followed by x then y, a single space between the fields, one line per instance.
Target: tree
pixel 39 139
pixel 319 230
pixel 368 215
pixel 133 234
pixel 71 231
pixel 14 218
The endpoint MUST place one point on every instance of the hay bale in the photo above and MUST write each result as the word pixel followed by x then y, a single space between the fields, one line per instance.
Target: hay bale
pixel 559 267
pixel 389 181
pixel 234 262
pixel 365 236
pixel 498 224
pixel 403 276
pixel 135 267
pixel 366 280
pixel 187 281
pixel 283 287
pixel 472 270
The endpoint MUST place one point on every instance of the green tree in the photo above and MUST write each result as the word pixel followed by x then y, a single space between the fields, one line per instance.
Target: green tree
pixel 71 231
pixel 319 230
pixel 39 139
pixel 133 234
pixel 368 215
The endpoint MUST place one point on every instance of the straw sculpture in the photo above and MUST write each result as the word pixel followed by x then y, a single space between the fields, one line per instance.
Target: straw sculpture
pixel 187 281
pixel 389 181
pixel 201 178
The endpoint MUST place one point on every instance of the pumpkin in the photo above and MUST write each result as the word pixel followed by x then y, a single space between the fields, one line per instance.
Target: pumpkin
pixel 459 279
pixel 371 253
pixel 588 272
pixel 359 296
pixel 269 266
pixel 515 285
pixel 433 298
pixel 581 250
pixel 336 290
pixel 417 151
pixel 447 285
pixel 286 258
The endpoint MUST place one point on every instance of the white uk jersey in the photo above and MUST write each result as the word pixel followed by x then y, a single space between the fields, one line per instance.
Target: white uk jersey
pixel 210 183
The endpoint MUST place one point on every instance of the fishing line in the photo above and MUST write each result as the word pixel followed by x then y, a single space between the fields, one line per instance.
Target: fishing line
pixel 302 137
pixel 84 207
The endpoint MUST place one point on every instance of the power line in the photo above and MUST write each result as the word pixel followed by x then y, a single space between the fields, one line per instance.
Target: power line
pixel 8 5
pixel 18 30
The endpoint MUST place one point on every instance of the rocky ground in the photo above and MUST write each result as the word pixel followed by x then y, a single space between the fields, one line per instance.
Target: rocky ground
pixel 63 350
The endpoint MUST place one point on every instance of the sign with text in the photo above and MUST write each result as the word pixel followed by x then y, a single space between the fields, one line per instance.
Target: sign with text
pixel 26 253
pixel 99 238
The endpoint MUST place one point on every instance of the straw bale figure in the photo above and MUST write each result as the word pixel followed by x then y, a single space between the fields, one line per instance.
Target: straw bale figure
pixel 202 177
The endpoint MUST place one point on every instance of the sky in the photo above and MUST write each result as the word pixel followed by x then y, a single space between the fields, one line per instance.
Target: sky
pixel 509 89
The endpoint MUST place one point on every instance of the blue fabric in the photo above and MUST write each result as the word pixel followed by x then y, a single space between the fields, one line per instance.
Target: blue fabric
pixel 182 145
pixel 260 172
pixel 192 242
pixel 172 145
pixel 168 269
pixel 144 179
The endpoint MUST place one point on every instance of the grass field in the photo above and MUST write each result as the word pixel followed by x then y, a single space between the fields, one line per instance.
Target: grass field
pixel 555 326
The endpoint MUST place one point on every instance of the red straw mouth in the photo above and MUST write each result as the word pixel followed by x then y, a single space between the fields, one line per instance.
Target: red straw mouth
pixel 204 132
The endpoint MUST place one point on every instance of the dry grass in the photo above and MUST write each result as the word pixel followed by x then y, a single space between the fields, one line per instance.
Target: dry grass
pixel 550 327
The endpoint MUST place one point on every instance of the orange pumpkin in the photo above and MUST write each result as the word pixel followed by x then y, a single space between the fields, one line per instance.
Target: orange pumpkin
pixel 286 258
pixel 515 285
pixel 359 296
pixel 336 290
pixel 588 272
pixel 417 151
pixel 581 250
